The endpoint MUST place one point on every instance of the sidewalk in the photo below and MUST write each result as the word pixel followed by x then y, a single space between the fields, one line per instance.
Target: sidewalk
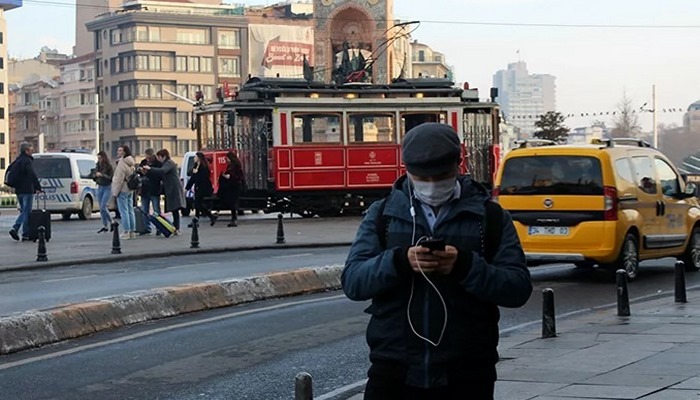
pixel 76 242
pixel 652 355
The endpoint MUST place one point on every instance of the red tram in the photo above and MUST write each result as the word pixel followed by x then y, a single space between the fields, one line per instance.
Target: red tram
pixel 318 149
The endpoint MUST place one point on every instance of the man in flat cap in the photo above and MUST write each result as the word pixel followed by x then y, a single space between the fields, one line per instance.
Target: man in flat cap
pixel 437 258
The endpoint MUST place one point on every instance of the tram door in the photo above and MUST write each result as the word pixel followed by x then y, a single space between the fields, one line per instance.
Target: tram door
pixel 252 134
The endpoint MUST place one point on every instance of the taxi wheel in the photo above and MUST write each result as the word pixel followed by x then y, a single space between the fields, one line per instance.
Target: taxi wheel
pixel 691 258
pixel 86 210
pixel 629 257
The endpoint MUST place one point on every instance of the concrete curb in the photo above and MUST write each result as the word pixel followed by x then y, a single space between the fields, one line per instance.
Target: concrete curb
pixel 37 328
pixel 110 258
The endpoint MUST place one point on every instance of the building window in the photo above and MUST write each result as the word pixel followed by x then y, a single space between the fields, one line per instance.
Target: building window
pixel 229 39
pixel 157 122
pixel 183 120
pixel 2 112
pixel 2 88
pixel 156 91
pixel 154 63
pixel 2 137
pixel 206 64
pixel 421 55
pixel 182 90
pixel 229 66
pixel 181 64
pixel 2 163
pixel 193 64
pixel 98 41
pixel 2 38
pixel 141 63
pixel 183 146
pixel 2 63
pixel 192 36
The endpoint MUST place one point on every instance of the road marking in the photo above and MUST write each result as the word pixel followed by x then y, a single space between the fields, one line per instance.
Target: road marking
pixel 68 279
pixel 295 255
pixel 342 390
pixel 191 265
pixel 163 329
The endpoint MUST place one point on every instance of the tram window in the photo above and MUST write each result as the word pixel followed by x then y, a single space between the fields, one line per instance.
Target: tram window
pixel 371 128
pixel 316 128
pixel 411 120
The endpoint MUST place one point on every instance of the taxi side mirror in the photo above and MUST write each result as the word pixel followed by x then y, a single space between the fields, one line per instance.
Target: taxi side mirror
pixel 690 189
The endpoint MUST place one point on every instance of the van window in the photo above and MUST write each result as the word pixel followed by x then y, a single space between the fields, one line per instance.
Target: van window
pixel 58 168
pixel 667 178
pixel 551 175
pixel 624 170
pixel 644 170
pixel 86 167
pixel 190 165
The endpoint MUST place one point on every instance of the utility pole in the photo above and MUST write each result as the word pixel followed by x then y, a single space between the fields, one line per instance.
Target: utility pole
pixel 97 123
pixel 653 105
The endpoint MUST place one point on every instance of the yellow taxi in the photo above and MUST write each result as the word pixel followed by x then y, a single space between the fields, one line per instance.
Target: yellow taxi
pixel 612 203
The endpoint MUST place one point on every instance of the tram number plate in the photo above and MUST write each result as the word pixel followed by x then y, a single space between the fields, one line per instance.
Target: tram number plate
pixel 548 230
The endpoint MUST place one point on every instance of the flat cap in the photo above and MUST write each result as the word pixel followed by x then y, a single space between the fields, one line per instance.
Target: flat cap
pixel 431 149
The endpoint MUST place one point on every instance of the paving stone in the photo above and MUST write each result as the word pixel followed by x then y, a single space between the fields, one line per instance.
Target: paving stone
pixel 620 378
pixel 647 338
pixel 603 391
pixel 674 329
pixel 545 375
pixel 646 367
pixel 673 394
pixel 523 390
pixel 692 383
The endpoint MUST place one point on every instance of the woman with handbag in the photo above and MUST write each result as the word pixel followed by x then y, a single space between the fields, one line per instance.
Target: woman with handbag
pixel 120 190
pixel 103 177
pixel 231 186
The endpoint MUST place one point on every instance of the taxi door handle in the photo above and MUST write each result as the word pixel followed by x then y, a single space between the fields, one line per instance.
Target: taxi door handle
pixel 660 208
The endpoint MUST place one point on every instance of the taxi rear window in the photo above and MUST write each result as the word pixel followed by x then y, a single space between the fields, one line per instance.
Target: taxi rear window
pixel 57 168
pixel 551 175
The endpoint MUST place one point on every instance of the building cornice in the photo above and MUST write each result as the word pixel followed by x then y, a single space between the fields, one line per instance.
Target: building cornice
pixel 131 17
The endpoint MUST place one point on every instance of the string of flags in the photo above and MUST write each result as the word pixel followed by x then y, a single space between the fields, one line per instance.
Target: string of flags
pixel 595 114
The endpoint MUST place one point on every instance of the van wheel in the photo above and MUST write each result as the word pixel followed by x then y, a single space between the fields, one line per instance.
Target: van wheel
pixel 86 210
pixel 629 257
pixel 691 257
pixel 66 215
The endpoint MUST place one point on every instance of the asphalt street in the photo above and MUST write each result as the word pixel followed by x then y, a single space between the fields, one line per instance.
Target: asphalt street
pixel 40 289
pixel 254 351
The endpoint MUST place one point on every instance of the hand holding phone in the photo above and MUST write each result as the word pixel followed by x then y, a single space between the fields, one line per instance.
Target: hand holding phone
pixel 433 244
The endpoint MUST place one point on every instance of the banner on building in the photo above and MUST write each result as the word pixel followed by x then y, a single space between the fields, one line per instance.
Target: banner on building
pixel 280 49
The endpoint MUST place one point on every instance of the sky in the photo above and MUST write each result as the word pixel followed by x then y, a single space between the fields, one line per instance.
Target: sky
pixel 593 65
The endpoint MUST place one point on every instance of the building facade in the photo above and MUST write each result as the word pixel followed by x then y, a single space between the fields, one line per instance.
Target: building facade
pixel 77 103
pixel 35 114
pixel 149 48
pixel 524 96
pixel 691 119
pixel 428 63
pixel 5 5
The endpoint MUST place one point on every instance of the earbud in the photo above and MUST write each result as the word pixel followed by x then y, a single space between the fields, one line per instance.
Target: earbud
pixel 413 211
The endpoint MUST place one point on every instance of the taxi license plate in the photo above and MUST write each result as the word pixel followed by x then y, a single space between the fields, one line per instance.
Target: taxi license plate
pixel 548 230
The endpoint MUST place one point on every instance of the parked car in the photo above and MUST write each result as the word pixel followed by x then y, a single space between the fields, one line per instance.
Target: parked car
pixel 66 179
pixel 613 203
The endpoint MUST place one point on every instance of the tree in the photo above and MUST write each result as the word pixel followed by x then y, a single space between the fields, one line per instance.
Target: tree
pixel 551 127
pixel 625 121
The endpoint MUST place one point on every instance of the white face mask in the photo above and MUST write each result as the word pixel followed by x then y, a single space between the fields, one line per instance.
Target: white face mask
pixel 434 193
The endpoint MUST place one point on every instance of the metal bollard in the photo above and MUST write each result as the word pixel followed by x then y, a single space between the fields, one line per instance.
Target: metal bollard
pixel 303 387
pixel 280 230
pixel 116 245
pixel 680 282
pixel 549 326
pixel 194 240
pixel 41 251
pixel 623 298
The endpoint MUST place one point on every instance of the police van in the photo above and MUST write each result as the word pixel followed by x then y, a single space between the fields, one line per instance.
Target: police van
pixel 66 179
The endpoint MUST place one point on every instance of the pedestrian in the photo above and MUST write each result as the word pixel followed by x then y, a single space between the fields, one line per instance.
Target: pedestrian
pixel 120 190
pixel 151 187
pixel 437 258
pixel 103 177
pixel 174 193
pixel 231 185
pixel 203 189
pixel 20 175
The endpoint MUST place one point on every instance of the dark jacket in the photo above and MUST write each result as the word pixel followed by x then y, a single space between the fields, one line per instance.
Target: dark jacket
pixel 201 181
pixel 151 185
pixel 231 188
pixel 27 181
pixel 472 292
pixel 107 172
pixel 174 195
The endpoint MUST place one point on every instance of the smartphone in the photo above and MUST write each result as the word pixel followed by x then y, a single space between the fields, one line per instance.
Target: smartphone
pixel 434 244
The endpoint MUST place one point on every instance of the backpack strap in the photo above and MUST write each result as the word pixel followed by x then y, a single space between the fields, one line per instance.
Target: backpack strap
pixel 493 230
